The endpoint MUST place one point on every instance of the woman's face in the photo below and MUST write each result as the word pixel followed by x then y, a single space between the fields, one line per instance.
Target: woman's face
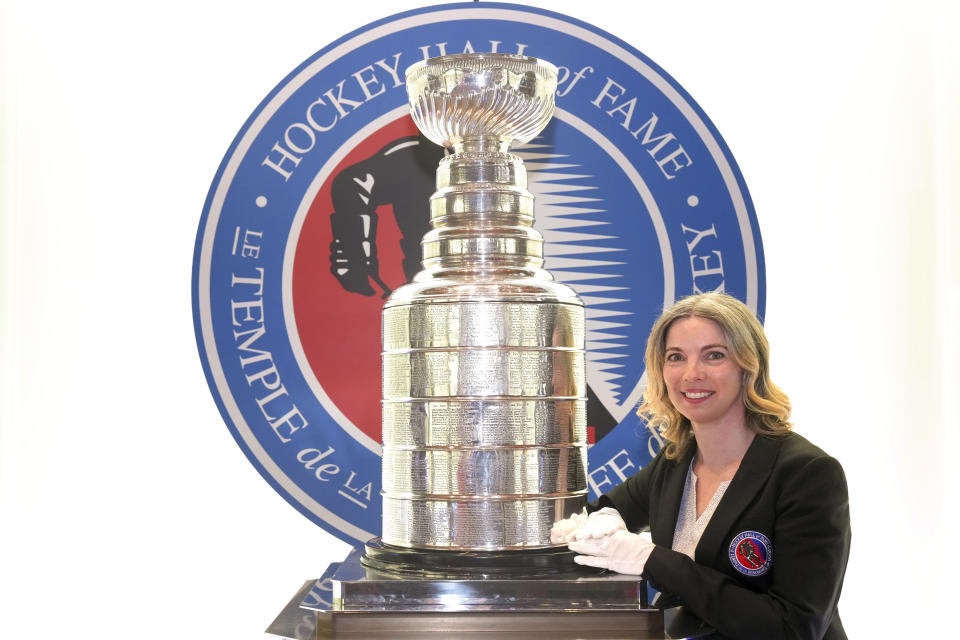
pixel 703 381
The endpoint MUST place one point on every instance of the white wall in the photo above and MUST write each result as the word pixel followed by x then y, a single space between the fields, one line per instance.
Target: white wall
pixel 126 507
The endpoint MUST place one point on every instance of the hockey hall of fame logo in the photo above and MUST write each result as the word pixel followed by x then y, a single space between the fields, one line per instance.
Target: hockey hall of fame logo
pixel 317 211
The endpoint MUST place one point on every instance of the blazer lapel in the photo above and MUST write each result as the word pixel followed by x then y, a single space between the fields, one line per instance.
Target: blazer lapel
pixel 754 470
pixel 664 524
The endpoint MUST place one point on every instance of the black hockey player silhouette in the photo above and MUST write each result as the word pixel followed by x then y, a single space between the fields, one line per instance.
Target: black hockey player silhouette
pixel 401 174
pixel 746 549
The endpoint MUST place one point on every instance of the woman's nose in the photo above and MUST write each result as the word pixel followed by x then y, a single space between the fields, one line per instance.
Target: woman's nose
pixel 693 371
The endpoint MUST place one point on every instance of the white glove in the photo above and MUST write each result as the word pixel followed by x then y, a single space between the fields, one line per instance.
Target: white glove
pixel 565 530
pixel 623 552
pixel 601 524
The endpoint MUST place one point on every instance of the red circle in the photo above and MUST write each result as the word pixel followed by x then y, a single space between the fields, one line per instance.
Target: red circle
pixel 340 330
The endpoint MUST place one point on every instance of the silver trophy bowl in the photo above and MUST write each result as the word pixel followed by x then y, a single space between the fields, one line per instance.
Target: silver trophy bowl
pixel 484 396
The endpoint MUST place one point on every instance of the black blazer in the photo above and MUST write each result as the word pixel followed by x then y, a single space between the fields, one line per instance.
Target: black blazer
pixel 790 493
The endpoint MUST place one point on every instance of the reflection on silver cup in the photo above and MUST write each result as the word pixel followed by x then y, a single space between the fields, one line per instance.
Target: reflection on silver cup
pixel 484 397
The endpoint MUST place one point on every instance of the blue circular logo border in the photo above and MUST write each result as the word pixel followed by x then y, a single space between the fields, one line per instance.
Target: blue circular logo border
pixel 333 522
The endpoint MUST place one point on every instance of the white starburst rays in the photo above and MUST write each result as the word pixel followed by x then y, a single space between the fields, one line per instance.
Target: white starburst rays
pixel 570 213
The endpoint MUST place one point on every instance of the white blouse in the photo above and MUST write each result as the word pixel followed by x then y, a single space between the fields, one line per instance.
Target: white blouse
pixel 689 528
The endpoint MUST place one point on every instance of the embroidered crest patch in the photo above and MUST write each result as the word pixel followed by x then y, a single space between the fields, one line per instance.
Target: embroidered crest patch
pixel 751 553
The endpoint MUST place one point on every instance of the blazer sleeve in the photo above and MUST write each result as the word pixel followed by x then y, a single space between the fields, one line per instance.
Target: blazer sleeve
pixel 811 537
pixel 631 497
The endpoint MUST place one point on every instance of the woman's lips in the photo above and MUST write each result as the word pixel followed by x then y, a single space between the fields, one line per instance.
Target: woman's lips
pixel 696 396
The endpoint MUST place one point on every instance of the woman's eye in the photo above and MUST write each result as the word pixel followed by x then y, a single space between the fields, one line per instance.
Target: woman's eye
pixel 716 355
pixel 674 357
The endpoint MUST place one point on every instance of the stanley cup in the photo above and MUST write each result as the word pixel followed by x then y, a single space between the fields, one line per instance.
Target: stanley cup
pixel 484 396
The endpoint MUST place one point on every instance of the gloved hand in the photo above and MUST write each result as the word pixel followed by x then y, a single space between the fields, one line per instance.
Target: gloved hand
pixel 565 530
pixel 623 552
pixel 601 524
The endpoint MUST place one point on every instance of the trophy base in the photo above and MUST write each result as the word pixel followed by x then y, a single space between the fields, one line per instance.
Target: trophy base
pixel 473 597
pixel 432 563
pixel 391 578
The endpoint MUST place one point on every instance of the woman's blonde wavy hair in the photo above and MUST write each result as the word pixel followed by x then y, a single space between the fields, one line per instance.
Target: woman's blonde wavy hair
pixel 767 406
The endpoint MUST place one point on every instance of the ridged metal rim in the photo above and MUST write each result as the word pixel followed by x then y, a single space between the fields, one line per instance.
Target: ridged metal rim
pixel 481 62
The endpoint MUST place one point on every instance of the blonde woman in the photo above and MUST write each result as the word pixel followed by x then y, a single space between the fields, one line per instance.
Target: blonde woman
pixel 749 521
